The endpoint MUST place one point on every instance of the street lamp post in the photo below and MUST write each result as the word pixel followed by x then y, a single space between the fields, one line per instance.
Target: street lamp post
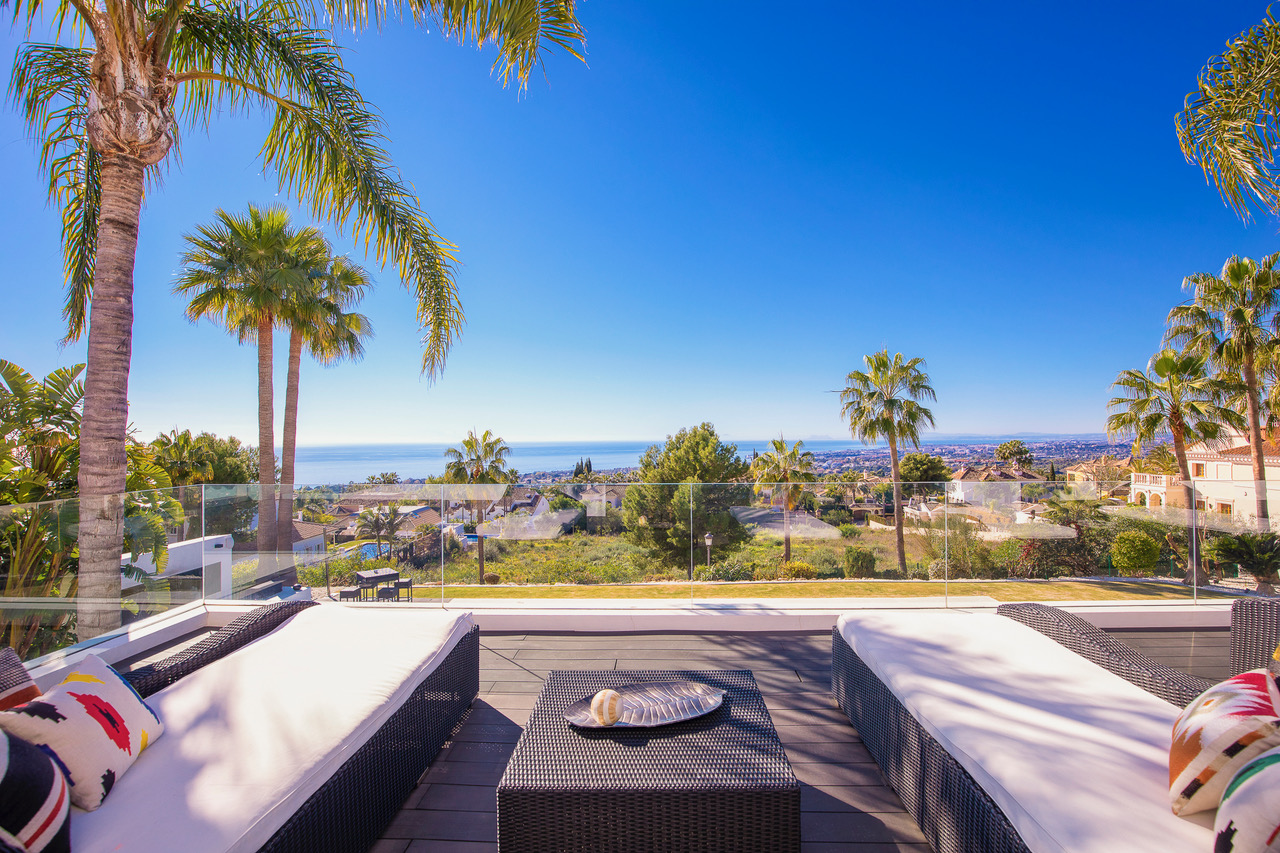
pixel 707 539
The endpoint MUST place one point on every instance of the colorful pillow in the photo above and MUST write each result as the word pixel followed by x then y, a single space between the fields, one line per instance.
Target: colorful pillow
pixel 16 685
pixel 96 724
pixel 1224 728
pixel 34 799
pixel 1248 820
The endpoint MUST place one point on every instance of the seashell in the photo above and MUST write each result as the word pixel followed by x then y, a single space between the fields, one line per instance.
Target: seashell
pixel 606 707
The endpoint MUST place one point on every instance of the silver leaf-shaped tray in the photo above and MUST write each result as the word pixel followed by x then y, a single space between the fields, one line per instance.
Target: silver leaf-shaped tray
pixel 655 703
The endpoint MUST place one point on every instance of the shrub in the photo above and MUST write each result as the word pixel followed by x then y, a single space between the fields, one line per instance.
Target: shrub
pixel 766 573
pixel 838 517
pixel 859 562
pixel 491 578
pixel 828 564
pixel 661 577
pixel 918 575
pixel 1134 552
pixel 850 531
pixel 797 570
pixel 939 570
pixel 728 570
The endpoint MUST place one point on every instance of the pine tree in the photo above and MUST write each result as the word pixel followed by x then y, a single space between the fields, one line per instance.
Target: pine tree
pixel 587 469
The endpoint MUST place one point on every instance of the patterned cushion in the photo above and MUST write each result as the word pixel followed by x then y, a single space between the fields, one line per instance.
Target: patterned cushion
pixel 1223 729
pixel 34 799
pixel 16 685
pixel 95 722
pixel 1248 820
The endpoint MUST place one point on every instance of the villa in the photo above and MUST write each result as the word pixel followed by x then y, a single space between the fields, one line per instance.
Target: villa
pixel 1221 480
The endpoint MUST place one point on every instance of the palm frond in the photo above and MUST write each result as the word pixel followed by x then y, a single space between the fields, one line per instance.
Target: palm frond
pixel 1228 125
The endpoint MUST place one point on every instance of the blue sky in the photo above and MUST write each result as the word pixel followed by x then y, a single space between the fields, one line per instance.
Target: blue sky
pixel 716 217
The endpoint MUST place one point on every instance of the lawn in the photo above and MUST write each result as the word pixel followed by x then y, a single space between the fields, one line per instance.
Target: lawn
pixel 1055 590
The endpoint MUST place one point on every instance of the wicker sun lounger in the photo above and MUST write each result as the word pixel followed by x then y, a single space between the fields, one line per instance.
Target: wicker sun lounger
pixel 351 809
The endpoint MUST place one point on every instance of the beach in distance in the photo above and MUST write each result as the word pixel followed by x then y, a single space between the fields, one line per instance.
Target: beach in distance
pixel 344 463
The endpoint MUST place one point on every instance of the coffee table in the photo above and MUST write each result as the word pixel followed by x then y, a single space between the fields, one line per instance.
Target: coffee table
pixel 720 782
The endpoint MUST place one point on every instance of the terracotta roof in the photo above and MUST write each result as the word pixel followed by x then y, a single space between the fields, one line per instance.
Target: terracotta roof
pixel 1269 448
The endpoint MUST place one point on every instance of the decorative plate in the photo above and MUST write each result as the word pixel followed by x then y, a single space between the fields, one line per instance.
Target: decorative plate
pixel 655 703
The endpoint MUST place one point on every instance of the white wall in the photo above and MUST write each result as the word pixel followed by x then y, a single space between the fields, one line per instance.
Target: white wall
pixel 210 553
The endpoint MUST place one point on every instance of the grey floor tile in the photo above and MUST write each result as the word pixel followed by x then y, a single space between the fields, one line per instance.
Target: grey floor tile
pixel 895 827
pixel 462 798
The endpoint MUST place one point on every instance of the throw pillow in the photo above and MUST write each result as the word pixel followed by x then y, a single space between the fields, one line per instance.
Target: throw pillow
pixel 1248 821
pixel 16 685
pixel 1223 729
pixel 96 724
pixel 34 800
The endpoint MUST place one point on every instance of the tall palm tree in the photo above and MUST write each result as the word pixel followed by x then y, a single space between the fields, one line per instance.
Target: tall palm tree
pixel 315 316
pixel 480 459
pixel 1231 321
pixel 883 402
pixel 105 116
pixel 1174 396
pixel 246 271
pixel 784 470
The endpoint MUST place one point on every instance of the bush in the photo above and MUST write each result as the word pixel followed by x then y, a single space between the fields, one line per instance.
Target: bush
pixel 1134 552
pixel 661 577
pixel 828 564
pixel 850 531
pixel 859 562
pixel 839 517
pixel 491 578
pixel 727 570
pixel 797 570
pixel 766 573
pixel 939 570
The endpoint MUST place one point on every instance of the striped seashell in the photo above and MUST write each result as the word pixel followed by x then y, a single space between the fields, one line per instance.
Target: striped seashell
pixel 606 707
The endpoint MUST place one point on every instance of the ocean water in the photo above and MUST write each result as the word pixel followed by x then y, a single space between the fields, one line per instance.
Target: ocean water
pixel 354 462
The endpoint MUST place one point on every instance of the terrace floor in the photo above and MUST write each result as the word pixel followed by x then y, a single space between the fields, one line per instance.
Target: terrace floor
pixel 845 804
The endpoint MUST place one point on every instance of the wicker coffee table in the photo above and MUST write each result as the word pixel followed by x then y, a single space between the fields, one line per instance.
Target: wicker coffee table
pixel 720 782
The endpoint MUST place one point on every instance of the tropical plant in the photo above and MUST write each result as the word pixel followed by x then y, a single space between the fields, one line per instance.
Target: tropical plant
pixel 1256 553
pixel 186 461
pixel 1231 321
pixel 784 471
pixel 1157 460
pixel 883 402
pixel 105 116
pixel 479 459
pixel 1174 396
pixel 315 316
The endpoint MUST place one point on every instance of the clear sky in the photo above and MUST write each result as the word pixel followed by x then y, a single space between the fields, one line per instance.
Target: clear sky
pixel 716 217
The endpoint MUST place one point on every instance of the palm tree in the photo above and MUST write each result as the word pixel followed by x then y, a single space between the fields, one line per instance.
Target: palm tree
pixel 1231 321
pixel 785 470
pixel 1256 553
pixel 1176 397
pixel 372 522
pixel 391 525
pixel 246 272
pixel 882 402
pixel 314 315
pixel 480 459
pixel 105 117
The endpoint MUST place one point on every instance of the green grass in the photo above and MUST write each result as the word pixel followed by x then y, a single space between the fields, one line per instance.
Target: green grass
pixel 1055 590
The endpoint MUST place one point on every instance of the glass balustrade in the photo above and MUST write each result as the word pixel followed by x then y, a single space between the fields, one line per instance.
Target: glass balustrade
pixel 1147 538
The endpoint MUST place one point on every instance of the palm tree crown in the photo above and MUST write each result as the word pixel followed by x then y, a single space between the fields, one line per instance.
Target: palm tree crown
pixel 1231 321
pixel 784 470
pixel 480 459
pixel 883 402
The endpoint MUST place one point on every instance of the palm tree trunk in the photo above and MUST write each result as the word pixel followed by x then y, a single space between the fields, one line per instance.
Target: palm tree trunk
pixel 266 451
pixel 1195 572
pixel 480 554
pixel 897 505
pixel 103 463
pixel 1255 440
pixel 786 532
pixel 284 517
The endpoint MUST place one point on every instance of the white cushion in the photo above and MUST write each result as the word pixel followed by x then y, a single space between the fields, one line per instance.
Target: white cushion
pixel 250 737
pixel 1077 758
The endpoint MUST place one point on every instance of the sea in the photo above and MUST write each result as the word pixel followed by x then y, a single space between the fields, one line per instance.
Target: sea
pixel 344 463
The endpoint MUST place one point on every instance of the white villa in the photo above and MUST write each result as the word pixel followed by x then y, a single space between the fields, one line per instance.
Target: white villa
pixel 1221 477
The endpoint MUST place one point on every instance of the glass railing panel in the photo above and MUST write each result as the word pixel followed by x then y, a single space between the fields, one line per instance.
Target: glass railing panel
pixel 163 564
pixel 38 568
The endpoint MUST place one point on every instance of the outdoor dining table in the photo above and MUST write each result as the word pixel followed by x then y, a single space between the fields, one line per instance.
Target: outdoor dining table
pixel 372 577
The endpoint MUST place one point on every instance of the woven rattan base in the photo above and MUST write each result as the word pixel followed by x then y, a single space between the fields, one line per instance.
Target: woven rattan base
pixel 720 782
pixel 953 811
